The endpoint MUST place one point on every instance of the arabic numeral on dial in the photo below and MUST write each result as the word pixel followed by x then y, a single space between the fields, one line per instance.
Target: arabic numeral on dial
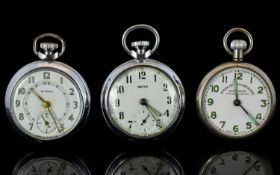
pixel 215 88
pixel 128 79
pixel 46 75
pixel 238 76
pixel 71 91
pixel 248 125
pixel 225 79
pixel 31 79
pixel 210 101
pixel 235 128
pixel 75 105
pixel 17 103
pixel 213 115
pixel 120 89
pixel 21 116
pixel 166 113
pixel 223 124
pixel 169 100
pixel 263 103
pixel 121 115
pixel 21 91
pixel 117 102
pixel 155 78
pixel 31 126
pixel 142 75
pixel 260 90
pixel 165 87
pixel 259 116
pixel 251 80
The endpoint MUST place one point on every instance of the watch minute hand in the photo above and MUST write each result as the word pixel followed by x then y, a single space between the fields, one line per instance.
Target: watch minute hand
pixel 250 116
pixel 154 110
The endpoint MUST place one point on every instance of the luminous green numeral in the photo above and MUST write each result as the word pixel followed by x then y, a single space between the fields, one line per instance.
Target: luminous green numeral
pixel 213 115
pixel 215 88
pixel 235 128
pixel 210 101
pixel 259 116
pixel 223 123
pixel 264 104
pixel 260 90
pixel 238 76
pixel 225 79
pixel 249 125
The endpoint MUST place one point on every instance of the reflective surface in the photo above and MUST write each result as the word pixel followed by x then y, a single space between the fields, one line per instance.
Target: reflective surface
pixel 39 164
pixel 235 163
pixel 133 163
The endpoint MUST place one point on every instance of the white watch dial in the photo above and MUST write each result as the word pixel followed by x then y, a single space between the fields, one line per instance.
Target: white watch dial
pixel 237 162
pixel 143 101
pixel 46 104
pixel 236 102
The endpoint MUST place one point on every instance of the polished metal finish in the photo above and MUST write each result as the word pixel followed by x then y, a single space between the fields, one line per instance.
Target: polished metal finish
pixel 238 56
pixel 148 52
pixel 48 47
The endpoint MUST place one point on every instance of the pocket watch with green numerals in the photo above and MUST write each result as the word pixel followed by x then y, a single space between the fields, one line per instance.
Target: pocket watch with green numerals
pixel 142 98
pixel 47 100
pixel 236 99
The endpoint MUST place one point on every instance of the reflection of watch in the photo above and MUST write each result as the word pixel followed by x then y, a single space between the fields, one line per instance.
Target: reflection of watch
pixel 133 163
pixel 34 164
pixel 235 163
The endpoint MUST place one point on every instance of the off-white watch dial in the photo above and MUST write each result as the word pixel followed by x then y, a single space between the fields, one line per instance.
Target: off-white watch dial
pixel 143 101
pixel 46 104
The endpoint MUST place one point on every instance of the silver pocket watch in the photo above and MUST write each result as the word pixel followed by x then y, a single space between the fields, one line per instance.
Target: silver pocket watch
pixel 46 99
pixel 236 99
pixel 142 98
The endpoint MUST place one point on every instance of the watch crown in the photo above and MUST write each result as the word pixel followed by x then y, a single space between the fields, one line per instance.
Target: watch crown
pixel 140 46
pixel 238 47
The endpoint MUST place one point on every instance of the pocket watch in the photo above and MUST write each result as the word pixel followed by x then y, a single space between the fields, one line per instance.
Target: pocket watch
pixel 142 98
pixel 37 164
pixel 47 100
pixel 138 163
pixel 236 99
pixel 237 162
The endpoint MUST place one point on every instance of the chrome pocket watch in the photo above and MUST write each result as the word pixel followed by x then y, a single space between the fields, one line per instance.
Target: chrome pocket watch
pixel 236 99
pixel 142 98
pixel 47 100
